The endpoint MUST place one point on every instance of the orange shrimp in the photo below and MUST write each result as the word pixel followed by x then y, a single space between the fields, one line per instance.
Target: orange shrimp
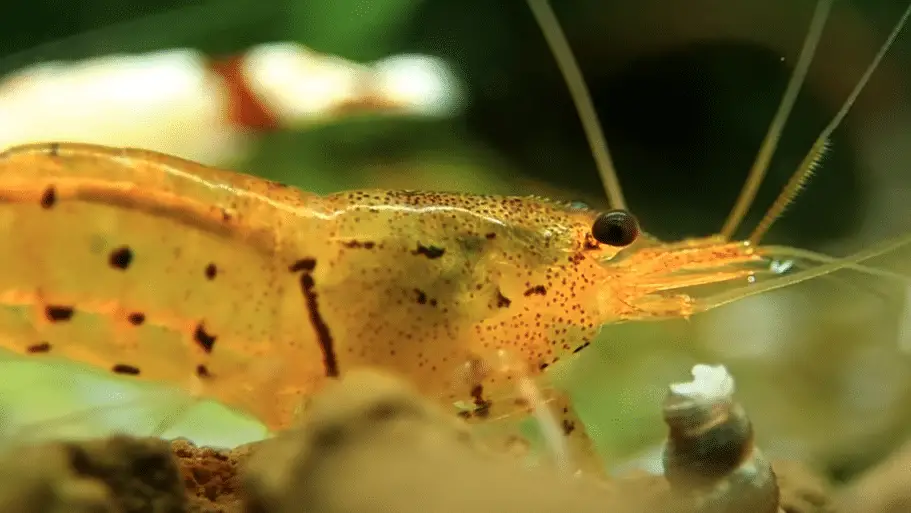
pixel 255 294
pixel 417 282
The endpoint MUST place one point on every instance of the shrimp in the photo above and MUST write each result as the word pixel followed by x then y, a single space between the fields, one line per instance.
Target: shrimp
pixel 412 281
pixel 221 102
pixel 255 294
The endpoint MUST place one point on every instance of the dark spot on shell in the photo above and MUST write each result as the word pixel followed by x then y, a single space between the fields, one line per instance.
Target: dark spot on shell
pixel 356 244
pixel 568 427
pixel 502 301
pixel 122 368
pixel 121 258
pixel 41 347
pixel 583 346
pixel 590 242
pixel 537 289
pixel 211 271
pixel 136 318
pixel 307 282
pixel 422 296
pixel 490 236
pixel 202 371
pixel 304 264
pixel 57 313
pixel 49 198
pixel 205 340
pixel 481 405
pixel 431 252
pixel 323 334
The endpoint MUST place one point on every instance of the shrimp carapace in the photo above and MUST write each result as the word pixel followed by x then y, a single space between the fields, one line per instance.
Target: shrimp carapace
pixel 157 268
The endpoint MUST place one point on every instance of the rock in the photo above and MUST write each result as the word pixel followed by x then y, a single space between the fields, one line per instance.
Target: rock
pixel 119 474
pixel 884 489
pixel 802 490
pixel 372 444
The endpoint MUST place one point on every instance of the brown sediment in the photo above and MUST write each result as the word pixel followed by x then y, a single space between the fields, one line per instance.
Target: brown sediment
pixel 211 476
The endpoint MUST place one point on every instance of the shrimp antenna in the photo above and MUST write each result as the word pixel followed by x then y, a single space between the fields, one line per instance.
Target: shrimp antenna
pixel 806 167
pixel 569 68
pixel 770 142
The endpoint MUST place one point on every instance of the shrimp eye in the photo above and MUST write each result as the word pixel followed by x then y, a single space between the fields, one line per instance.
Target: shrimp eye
pixel 616 228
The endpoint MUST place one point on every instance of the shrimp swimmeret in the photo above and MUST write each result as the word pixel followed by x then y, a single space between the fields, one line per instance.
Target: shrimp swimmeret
pixel 255 294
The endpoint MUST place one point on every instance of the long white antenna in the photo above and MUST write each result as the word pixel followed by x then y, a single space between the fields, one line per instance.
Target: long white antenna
pixel 556 40
pixel 806 167
pixel 770 142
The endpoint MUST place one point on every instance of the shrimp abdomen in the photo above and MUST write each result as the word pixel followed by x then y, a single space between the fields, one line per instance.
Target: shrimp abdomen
pixel 153 267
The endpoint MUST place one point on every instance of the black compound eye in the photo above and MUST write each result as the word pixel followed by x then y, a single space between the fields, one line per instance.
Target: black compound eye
pixel 616 228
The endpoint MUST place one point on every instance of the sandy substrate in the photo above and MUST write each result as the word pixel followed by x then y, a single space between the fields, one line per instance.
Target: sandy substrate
pixel 372 445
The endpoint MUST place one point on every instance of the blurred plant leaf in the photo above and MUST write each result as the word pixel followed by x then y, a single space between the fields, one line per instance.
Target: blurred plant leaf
pixel 228 26
pixel 356 29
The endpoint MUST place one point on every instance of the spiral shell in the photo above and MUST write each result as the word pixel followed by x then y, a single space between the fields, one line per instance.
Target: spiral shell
pixel 709 457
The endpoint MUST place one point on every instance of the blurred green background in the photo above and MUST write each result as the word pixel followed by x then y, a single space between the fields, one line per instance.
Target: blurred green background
pixel 685 93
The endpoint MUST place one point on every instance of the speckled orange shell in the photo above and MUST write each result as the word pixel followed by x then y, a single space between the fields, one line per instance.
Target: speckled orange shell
pixel 253 292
